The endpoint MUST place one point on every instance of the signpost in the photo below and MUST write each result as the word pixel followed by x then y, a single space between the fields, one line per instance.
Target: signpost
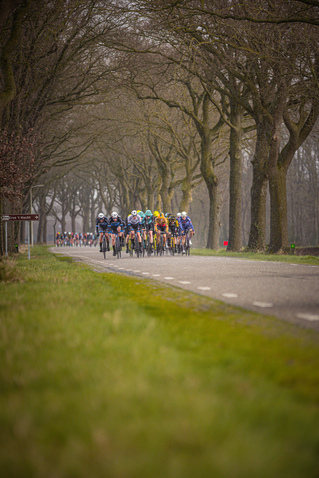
pixel 19 217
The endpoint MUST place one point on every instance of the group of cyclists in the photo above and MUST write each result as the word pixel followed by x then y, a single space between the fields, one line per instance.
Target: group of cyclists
pixel 139 225
pixel 76 239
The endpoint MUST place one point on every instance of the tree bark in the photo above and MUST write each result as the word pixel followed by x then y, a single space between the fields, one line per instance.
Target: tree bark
pixel 258 194
pixel 235 180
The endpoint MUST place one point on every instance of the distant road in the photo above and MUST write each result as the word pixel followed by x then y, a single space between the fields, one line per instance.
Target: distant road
pixel 287 291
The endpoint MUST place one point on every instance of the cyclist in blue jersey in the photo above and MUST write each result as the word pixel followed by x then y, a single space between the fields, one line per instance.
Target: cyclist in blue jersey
pixel 101 226
pixel 148 224
pixel 185 225
pixel 116 226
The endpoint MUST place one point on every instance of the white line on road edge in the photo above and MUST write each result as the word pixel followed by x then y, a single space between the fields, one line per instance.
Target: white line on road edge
pixel 263 304
pixel 203 288
pixel 183 282
pixel 169 278
pixel 229 295
pixel 311 317
pixel 156 275
pixel 146 273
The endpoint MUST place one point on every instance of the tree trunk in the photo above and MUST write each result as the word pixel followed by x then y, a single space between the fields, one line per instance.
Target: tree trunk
pixel 187 198
pixel 258 196
pixel 235 181
pixel 44 232
pixel 214 214
pixel 278 209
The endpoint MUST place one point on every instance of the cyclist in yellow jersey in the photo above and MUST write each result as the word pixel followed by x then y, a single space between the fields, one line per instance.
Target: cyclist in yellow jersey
pixel 161 227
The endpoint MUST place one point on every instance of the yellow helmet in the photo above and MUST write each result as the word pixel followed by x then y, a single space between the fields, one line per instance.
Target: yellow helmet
pixel 156 213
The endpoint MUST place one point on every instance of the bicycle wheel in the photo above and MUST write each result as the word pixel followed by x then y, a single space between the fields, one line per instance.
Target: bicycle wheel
pixel 187 246
pixel 117 248
pixel 161 246
pixel 143 247
pixel 172 246
pixel 149 246
pixel 104 246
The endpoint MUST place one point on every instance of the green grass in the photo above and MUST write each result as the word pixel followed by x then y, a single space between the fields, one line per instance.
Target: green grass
pixel 104 375
pixel 292 259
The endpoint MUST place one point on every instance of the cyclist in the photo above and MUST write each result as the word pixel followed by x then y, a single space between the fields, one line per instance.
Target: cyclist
pixel 149 226
pixel 134 226
pixel 102 227
pixel 116 225
pixel 185 225
pixel 161 227
pixel 173 228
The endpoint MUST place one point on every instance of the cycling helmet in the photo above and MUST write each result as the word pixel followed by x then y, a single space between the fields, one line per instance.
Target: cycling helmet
pixel 156 214
pixel 134 212
pixel 168 214
pixel 140 213
pixel 101 215
pixel 114 214
pixel 172 218
pixel 184 213
pixel 178 214
pixel 148 212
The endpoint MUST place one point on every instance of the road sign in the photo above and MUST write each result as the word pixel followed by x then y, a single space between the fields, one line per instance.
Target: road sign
pixel 21 217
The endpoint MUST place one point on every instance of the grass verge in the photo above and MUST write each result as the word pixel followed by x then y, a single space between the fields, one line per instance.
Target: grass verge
pixel 291 259
pixel 108 375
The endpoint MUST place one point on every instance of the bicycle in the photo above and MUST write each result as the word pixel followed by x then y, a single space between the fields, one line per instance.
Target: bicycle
pixel 172 245
pixel 148 246
pixel 104 246
pixel 160 248
pixel 187 244
pixel 118 246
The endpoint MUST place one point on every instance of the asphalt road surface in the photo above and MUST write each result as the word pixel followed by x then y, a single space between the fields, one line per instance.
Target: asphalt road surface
pixel 287 291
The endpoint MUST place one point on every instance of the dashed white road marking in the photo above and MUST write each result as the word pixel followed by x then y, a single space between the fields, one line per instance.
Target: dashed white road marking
pixel 230 295
pixel 294 264
pixel 146 273
pixel 184 282
pixel 156 275
pixel 137 271
pixel 121 268
pixel 169 278
pixel 203 288
pixel 311 317
pixel 263 304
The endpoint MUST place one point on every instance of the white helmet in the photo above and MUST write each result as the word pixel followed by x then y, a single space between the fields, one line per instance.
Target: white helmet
pixel 134 213
pixel 178 214
pixel 114 214
pixel 184 213
pixel 101 215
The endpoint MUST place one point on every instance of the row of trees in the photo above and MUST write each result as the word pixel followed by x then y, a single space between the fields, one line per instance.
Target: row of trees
pixel 154 100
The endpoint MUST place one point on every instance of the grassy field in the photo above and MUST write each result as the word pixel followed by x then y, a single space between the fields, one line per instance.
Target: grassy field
pixel 293 259
pixel 104 375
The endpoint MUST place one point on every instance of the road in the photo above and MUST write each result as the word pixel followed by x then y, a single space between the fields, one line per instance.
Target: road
pixel 287 291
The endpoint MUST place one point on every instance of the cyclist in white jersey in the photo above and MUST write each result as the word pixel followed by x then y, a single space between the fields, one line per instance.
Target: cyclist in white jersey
pixel 134 227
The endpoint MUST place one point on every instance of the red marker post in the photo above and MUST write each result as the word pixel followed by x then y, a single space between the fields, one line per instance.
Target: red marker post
pixel 19 217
